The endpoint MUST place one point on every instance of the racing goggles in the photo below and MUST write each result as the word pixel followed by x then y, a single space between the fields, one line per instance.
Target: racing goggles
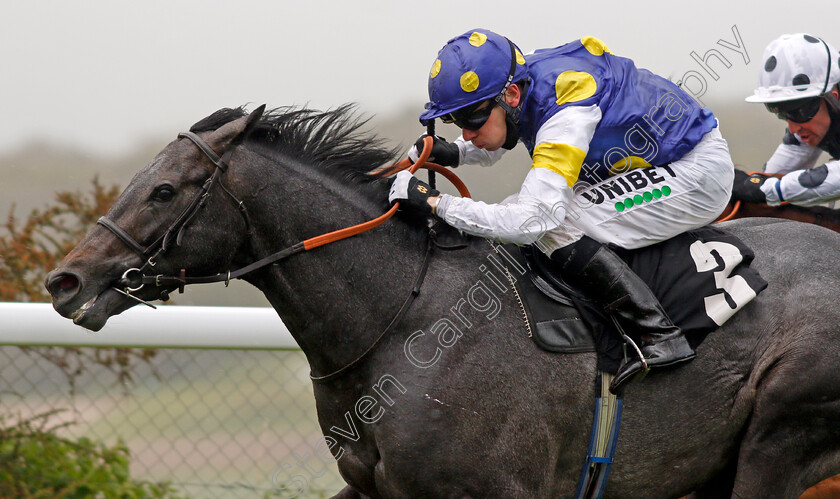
pixel 797 111
pixel 471 117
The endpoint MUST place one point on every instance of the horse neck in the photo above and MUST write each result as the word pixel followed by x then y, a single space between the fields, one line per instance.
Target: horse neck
pixel 338 298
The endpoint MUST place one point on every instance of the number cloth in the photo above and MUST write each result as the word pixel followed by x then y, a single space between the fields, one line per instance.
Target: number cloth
pixel 701 278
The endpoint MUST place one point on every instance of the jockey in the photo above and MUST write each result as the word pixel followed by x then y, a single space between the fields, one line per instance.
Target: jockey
pixel 619 156
pixel 799 84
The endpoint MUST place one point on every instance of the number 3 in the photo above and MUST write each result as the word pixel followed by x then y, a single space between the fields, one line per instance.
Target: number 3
pixel 717 307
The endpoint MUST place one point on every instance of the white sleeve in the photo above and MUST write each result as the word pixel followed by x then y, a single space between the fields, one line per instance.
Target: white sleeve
pixel 792 154
pixel 808 187
pixel 541 205
pixel 539 208
pixel 471 155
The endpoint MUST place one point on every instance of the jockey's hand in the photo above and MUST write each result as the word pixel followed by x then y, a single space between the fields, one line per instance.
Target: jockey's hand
pixel 747 188
pixel 443 153
pixel 412 193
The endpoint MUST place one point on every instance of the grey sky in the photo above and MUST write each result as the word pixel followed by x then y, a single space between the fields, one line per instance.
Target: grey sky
pixel 104 75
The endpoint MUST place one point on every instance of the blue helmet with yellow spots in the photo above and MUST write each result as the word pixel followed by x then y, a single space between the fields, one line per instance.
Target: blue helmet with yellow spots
pixel 470 68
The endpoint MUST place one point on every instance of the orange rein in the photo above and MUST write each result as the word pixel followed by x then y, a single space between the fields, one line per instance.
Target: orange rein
pixel 340 234
pixel 728 216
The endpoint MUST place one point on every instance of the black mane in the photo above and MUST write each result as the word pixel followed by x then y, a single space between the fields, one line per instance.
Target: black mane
pixel 331 140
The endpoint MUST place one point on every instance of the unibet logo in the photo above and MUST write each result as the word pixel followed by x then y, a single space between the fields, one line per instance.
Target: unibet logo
pixel 636 181
pixel 645 197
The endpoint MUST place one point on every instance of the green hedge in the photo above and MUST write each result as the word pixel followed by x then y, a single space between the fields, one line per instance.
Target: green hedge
pixel 36 462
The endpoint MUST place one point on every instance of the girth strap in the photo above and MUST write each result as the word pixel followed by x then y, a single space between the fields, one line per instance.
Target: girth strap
pixel 602 443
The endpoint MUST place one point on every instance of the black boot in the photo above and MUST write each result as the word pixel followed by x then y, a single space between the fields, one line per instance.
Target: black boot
pixel 605 278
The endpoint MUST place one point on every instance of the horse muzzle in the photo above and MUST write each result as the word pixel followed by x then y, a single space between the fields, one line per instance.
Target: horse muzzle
pixel 88 305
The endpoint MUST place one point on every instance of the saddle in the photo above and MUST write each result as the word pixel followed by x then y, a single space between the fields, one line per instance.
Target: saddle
pixel 553 320
pixel 560 319
pixel 556 325
pixel 684 272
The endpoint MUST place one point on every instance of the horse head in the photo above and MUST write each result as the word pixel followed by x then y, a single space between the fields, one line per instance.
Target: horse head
pixel 231 193
pixel 155 224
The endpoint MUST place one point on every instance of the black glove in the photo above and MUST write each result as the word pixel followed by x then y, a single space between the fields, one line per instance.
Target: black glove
pixel 412 193
pixel 443 153
pixel 747 188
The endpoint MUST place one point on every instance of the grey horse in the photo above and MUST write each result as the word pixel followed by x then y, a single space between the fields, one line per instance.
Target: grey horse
pixel 455 400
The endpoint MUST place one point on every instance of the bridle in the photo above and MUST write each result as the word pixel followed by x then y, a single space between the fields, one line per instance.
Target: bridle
pixel 134 276
pixel 134 279
pixel 130 279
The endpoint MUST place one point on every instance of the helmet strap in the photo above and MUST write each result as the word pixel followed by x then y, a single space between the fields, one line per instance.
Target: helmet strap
pixel 512 133
pixel 512 114
pixel 828 69
pixel 501 96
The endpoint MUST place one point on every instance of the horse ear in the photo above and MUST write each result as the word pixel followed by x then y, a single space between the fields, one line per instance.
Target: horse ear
pixel 233 133
pixel 251 123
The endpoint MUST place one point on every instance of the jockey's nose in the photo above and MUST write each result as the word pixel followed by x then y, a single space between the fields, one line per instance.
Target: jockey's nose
pixel 469 134
pixel 793 126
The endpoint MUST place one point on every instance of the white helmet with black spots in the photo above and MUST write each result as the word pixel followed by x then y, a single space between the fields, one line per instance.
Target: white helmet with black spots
pixel 796 66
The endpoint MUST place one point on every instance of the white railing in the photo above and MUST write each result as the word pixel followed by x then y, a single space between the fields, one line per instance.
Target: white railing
pixel 37 324
pixel 223 409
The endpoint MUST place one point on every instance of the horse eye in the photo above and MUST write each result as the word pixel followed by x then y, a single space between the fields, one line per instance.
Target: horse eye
pixel 163 193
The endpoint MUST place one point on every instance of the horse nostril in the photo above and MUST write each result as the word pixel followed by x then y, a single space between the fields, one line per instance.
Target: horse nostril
pixel 63 283
pixel 68 282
